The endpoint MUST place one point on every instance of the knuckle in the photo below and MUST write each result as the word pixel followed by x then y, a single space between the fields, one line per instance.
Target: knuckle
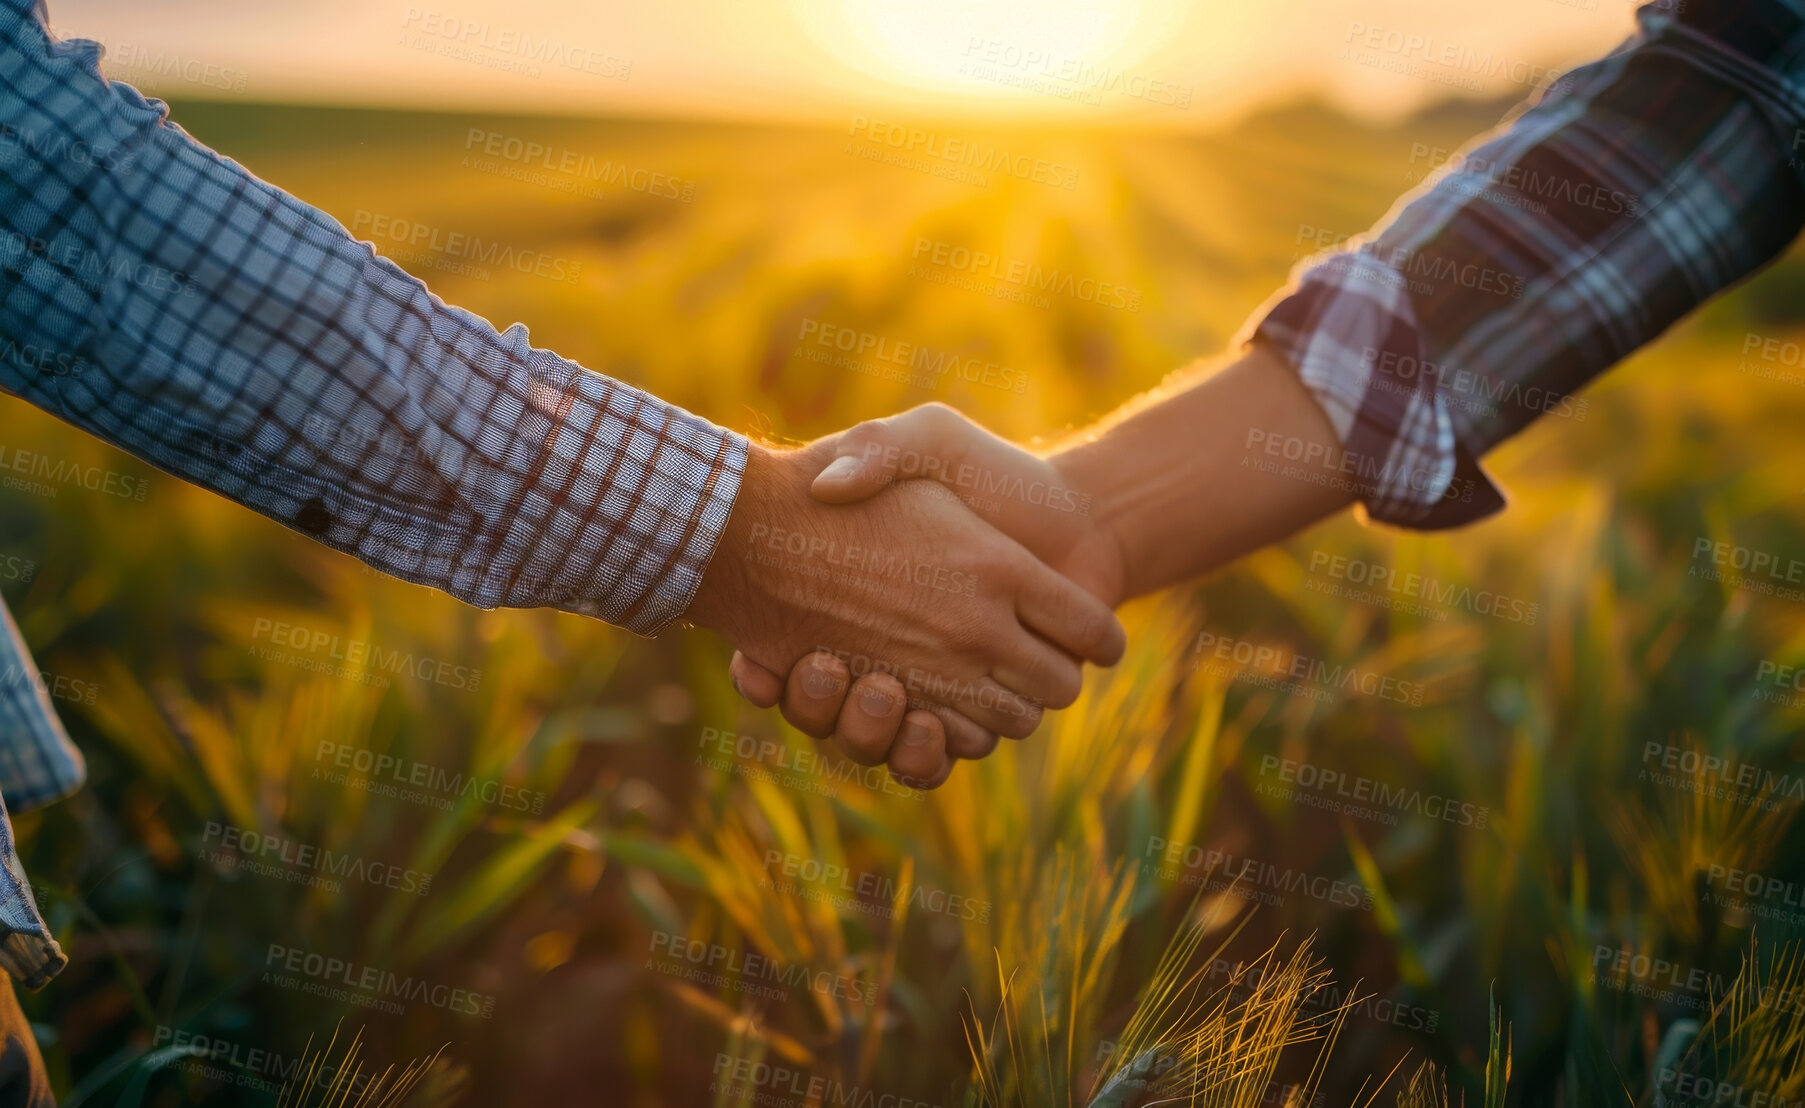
pixel 806 723
pixel 866 750
pixel 971 636
pixel 1020 722
pixel 1066 684
pixel 936 414
pixel 978 744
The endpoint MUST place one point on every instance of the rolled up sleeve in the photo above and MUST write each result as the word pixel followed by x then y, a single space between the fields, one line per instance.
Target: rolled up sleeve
pixel 1550 249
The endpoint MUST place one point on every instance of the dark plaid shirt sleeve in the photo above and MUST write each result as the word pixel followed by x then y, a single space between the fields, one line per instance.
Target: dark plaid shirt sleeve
pixel 1632 191
pixel 171 303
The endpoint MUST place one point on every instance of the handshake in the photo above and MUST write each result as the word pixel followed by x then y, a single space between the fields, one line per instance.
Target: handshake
pixel 916 587
pixel 925 586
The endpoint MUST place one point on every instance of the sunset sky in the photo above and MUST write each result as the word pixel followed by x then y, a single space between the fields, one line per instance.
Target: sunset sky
pixel 1166 63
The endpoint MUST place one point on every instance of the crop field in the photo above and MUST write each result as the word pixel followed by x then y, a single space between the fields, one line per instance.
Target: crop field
pixel 1532 796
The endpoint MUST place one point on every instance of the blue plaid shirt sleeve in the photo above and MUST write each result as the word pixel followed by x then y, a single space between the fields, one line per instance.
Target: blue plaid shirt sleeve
pixel 38 764
pixel 166 300
pixel 1547 251
pixel 233 335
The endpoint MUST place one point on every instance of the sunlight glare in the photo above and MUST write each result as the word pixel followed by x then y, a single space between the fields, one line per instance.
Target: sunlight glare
pixel 999 50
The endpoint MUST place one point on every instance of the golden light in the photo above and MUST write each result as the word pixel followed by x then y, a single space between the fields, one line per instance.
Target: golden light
pixel 1038 55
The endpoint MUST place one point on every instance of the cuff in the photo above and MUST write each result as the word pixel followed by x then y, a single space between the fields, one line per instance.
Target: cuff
pixel 640 491
pixel 1349 331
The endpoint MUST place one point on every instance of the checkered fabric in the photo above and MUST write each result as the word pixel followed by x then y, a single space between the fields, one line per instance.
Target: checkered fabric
pixel 159 296
pixel 1632 191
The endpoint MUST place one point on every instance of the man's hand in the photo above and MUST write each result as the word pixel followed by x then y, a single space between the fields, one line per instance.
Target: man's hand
pixel 907 590
pixel 1026 497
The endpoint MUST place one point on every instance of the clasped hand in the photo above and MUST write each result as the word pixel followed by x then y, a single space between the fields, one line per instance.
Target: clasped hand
pixel 912 588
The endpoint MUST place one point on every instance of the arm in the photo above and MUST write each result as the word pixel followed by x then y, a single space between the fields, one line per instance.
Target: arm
pixel 229 333
pixel 1553 248
pixel 239 338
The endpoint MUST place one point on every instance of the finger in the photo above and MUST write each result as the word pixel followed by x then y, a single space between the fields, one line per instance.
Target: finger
pixel 754 682
pixel 990 705
pixel 849 479
pixel 964 739
pixel 813 693
pixel 1039 672
pixel 926 441
pixel 870 719
pixel 1069 618
pixel 918 759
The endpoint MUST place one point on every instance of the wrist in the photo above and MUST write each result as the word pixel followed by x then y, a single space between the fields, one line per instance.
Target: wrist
pixel 1098 558
pixel 721 600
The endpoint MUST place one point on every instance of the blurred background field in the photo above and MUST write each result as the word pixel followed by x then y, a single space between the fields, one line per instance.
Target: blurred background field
pixel 622 825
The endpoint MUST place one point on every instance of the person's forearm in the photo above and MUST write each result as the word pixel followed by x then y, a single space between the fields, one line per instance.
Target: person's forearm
pixel 231 334
pixel 1212 466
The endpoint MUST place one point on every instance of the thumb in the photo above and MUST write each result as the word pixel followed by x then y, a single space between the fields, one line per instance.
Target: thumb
pixel 754 682
pixel 928 441
pixel 851 477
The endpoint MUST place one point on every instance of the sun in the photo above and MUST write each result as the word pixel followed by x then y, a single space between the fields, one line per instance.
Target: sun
pixel 1006 51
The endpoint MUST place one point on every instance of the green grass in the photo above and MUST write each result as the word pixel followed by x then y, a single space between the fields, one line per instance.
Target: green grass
pixel 1034 986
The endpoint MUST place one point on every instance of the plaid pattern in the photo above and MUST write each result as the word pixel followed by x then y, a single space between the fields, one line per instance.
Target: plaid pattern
pixel 38 764
pixel 232 335
pixel 1550 250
